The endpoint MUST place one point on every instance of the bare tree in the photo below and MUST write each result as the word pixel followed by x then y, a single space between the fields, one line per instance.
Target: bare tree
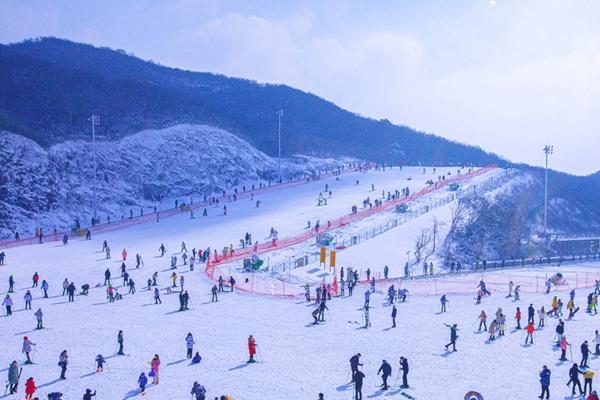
pixel 421 242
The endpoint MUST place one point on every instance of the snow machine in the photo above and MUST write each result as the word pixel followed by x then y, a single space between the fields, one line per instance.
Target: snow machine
pixel 453 187
pixel 402 208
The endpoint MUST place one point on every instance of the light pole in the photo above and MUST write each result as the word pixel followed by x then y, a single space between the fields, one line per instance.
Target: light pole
pixel 95 120
pixel 547 150
pixel 279 116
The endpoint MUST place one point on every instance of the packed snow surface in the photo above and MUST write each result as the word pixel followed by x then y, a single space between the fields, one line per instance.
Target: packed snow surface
pixel 297 360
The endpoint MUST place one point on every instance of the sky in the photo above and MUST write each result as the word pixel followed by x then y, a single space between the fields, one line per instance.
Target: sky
pixel 508 76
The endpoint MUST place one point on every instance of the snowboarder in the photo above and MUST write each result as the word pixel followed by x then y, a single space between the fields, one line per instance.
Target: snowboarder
pixel 585 353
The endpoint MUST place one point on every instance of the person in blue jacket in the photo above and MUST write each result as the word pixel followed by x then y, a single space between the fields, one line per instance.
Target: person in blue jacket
pixel 142 381
pixel 545 382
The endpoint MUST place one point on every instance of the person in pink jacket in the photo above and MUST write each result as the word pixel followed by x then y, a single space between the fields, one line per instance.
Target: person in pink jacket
pixel 563 348
pixel 124 254
pixel 154 367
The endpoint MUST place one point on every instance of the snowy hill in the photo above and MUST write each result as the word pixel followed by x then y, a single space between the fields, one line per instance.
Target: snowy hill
pixel 51 187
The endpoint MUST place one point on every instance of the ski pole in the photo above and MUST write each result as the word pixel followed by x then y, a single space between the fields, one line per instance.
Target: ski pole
pixel 260 354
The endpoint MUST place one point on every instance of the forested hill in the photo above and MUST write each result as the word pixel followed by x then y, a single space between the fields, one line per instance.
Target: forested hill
pixel 50 87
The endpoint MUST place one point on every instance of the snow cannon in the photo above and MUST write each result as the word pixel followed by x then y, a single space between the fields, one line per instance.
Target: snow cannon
pixel 253 263
pixel 453 187
pixel 324 239
pixel 402 208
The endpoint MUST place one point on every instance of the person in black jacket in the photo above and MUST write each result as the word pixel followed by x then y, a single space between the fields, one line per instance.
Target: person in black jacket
pixel 358 382
pixel 88 394
pixel 386 370
pixel 585 353
pixel 574 379
pixel 354 363
pixel 394 312
pixel 404 368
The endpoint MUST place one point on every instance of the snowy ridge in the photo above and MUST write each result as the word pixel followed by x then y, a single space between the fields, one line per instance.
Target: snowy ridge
pixel 52 187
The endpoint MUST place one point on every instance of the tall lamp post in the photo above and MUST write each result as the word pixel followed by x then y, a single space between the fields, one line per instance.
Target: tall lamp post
pixel 279 114
pixel 547 150
pixel 94 120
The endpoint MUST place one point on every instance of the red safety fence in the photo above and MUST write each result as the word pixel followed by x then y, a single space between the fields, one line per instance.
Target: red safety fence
pixel 533 281
pixel 273 245
pixel 156 217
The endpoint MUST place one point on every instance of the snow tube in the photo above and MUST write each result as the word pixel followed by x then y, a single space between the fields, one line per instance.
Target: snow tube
pixel 473 396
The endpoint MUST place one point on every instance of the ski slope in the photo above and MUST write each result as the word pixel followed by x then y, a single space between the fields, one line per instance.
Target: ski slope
pixel 297 359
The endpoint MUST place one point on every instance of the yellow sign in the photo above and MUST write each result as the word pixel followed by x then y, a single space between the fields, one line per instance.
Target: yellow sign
pixel 323 255
pixel 332 258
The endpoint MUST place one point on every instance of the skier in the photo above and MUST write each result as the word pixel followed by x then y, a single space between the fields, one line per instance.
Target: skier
pixel 142 382
pixel 510 289
pixel 386 270
pixel 71 292
pixel 157 296
pixel 367 297
pixel 62 363
pixel 35 280
pixel 38 316
pixel 106 277
pixel 11 284
pixel 453 336
pixel 120 342
pixel 563 348
pixel 542 317
pixel 251 349
pixel 100 363
pixel 366 315
pixel 162 249
pixel 88 394
pixel 124 254
pixel 65 286
pixel 27 347
pixel 198 391
pixel 518 318
pixel 482 321
pixel 517 292
pixel 394 312
pixel 27 299
pixel 560 329
pixel 107 252
pixel 492 330
pixel 597 341
pixel 13 377
pixel 404 368
pixel 8 303
pixel 574 379
pixel 354 364
pixel 386 370
pixel 231 282
pixel 530 331
pixel 189 344
pixel 545 382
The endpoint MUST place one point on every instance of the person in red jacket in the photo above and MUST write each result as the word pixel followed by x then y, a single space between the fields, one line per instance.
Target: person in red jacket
pixel 593 396
pixel 530 330
pixel 251 349
pixel 30 388
pixel 518 318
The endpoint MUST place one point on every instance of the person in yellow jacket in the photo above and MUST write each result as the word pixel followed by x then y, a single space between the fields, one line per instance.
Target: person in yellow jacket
pixel 570 307
pixel 174 279
pixel 588 375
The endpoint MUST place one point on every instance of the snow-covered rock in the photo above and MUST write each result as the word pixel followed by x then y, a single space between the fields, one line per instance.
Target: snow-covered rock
pixel 51 187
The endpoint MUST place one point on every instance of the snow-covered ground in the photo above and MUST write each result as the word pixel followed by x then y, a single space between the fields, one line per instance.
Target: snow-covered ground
pixel 297 360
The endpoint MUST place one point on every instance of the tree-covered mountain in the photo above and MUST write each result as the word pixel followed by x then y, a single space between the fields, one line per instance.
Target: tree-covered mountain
pixel 51 86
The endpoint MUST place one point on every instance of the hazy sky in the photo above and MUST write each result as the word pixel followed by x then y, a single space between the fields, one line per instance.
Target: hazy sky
pixel 509 76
